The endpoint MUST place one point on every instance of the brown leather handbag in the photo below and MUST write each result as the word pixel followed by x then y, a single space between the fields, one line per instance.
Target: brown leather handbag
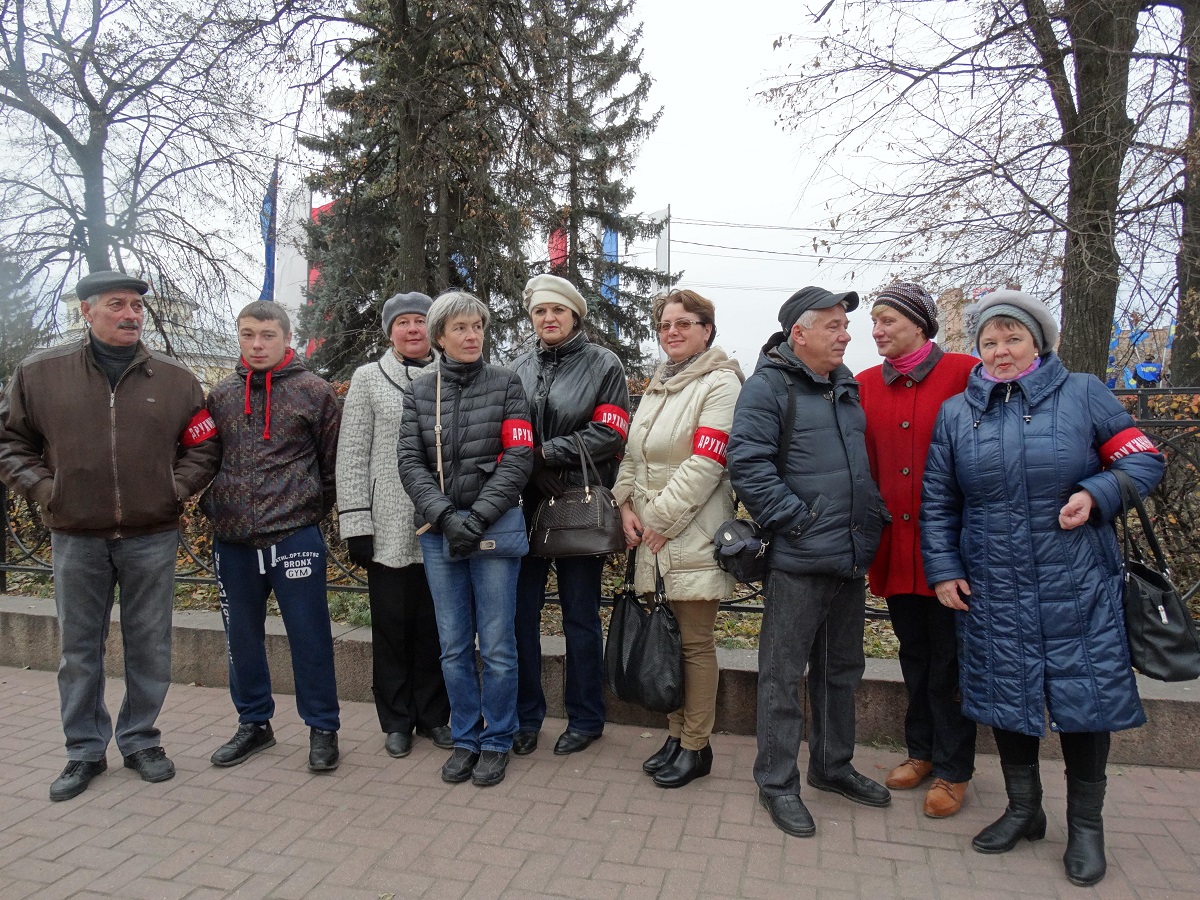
pixel 584 521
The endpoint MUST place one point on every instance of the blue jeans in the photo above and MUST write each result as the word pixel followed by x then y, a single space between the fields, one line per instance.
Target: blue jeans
pixel 476 598
pixel 583 676
pixel 86 570
pixel 295 570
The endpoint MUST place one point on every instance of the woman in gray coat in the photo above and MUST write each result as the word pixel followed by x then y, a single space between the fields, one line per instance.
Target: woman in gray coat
pixel 376 521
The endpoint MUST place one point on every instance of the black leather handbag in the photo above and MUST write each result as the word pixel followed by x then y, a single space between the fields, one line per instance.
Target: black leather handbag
pixel 584 521
pixel 1163 643
pixel 643 659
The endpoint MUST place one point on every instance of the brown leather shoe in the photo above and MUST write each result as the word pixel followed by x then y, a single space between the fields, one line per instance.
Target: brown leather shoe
pixel 945 798
pixel 909 774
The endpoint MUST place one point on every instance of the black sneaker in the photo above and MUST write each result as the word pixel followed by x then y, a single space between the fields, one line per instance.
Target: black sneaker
pixel 75 778
pixel 458 767
pixel 490 768
pixel 322 750
pixel 250 738
pixel 152 764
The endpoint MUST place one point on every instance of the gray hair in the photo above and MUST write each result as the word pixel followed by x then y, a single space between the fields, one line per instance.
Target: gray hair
pixel 451 305
pixel 266 311
pixel 808 318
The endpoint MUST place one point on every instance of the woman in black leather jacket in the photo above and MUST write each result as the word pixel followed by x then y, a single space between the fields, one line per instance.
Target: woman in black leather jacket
pixel 464 454
pixel 574 388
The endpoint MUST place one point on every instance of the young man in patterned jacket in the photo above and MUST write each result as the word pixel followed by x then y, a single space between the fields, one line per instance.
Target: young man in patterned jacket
pixel 275 485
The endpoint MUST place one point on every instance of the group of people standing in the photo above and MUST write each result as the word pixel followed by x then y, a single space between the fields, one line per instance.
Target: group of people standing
pixel 977 495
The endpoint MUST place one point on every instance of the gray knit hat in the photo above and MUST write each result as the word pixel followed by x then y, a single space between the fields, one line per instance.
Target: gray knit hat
pixel 1029 311
pixel 913 302
pixel 404 304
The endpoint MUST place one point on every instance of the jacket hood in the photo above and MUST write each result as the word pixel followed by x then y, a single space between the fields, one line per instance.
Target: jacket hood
pixel 714 359
pixel 1036 386
pixel 291 367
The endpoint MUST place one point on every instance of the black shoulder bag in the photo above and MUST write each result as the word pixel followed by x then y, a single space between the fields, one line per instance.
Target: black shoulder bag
pixel 1163 643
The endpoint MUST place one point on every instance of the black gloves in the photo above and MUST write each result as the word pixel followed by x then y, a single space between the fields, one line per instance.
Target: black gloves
pixel 462 534
pixel 360 549
pixel 548 482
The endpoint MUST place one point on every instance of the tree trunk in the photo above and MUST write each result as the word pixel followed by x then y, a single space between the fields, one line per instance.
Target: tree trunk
pixel 1103 34
pixel 95 206
pixel 1185 352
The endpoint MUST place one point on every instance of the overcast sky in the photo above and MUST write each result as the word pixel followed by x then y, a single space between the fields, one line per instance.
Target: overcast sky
pixel 719 156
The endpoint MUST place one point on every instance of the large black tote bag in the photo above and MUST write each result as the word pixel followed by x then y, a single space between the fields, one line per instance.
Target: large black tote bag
pixel 643 659
pixel 1163 643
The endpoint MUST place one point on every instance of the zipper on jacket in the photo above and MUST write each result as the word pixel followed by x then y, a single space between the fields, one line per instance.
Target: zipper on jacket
pixel 112 424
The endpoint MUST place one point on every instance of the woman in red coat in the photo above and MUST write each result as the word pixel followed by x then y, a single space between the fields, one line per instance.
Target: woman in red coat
pixel 901 398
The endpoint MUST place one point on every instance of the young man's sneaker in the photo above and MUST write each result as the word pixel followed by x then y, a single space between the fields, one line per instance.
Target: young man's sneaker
pixel 490 768
pixel 75 778
pixel 459 766
pixel 249 738
pixel 152 764
pixel 322 750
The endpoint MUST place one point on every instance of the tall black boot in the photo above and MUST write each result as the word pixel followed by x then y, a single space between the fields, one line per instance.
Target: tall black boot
pixel 1084 859
pixel 1024 817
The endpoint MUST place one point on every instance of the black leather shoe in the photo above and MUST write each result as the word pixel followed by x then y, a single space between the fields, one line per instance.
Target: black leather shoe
pixel 439 734
pixel 75 778
pixel 490 768
pixel 322 750
pixel 853 786
pixel 665 754
pixel 398 744
pixel 524 742
pixel 249 738
pixel 573 742
pixel 789 814
pixel 152 764
pixel 457 768
pixel 685 767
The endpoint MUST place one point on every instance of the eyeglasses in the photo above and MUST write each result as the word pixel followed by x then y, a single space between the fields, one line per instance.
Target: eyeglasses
pixel 683 326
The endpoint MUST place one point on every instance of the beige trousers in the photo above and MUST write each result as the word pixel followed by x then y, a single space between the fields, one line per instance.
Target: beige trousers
pixel 693 722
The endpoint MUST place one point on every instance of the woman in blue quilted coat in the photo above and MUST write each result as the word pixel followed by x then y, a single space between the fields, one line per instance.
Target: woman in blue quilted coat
pixel 1017 534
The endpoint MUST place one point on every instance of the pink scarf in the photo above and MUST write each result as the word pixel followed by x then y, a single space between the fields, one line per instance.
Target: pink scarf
pixel 909 361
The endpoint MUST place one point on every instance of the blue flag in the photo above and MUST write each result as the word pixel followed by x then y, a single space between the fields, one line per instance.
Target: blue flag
pixel 611 281
pixel 266 222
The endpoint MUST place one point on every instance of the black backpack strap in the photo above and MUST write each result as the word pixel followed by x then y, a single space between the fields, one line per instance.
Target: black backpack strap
pixel 789 419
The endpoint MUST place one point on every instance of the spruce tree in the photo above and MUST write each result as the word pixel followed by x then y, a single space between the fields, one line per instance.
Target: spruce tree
pixel 22 324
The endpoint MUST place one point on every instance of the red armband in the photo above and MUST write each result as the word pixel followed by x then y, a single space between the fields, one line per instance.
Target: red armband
pixel 200 429
pixel 711 443
pixel 614 417
pixel 1131 440
pixel 516 433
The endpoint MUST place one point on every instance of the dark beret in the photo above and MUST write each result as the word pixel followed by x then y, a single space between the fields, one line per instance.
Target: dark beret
pixel 812 298
pixel 101 282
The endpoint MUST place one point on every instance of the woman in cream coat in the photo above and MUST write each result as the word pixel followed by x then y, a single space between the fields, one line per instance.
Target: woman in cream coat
pixel 674 492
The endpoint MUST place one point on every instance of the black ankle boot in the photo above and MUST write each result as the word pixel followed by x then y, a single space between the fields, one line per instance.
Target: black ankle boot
pixel 663 757
pixel 1084 859
pixel 1024 817
pixel 686 767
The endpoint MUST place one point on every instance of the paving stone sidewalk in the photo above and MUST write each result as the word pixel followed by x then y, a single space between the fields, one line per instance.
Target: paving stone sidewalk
pixel 588 825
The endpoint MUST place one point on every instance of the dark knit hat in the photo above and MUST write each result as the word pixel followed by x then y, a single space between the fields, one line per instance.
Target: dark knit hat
pixel 812 298
pixel 913 302
pixel 404 304
pixel 1029 311
pixel 101 282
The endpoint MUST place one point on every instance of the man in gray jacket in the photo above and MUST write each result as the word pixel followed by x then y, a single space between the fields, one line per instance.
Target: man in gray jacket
pixel 798 461
pixel 109 438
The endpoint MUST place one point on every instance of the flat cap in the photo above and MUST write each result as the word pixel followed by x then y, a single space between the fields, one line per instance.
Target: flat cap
pixel 103 281
pixel 812 298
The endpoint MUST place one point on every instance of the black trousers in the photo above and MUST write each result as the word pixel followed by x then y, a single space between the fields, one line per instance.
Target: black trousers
pixel 814 621
pixel 1085 753
pixel 406 669
pixel 934 726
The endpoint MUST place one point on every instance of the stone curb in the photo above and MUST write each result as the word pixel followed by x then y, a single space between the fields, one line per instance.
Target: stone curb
pixel 29 639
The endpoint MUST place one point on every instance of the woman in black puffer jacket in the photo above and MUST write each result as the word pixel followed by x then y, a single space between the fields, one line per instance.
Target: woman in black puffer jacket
pixel 465 452
pixel 575 388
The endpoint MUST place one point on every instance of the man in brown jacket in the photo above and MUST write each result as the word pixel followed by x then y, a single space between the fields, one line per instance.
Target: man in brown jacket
pixel 109 439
